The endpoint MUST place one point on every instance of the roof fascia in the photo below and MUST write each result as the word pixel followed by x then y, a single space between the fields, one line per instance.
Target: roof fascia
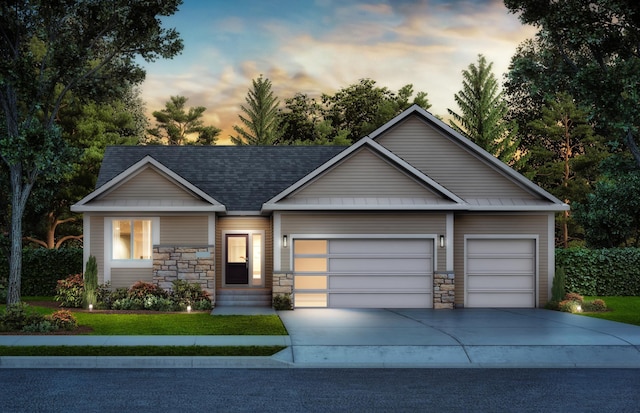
pixel 133 170
pixel 90 208
pixel 467 143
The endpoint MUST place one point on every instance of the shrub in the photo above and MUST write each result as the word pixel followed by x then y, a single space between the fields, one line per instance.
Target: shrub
pixel 574 297
pixel 570 306
pixel 594 306
pixel 184 293
pixel 282 302
pixel 552 305
pixel 90 282
pixel 70 291
pixel 105 296
pixel 557 287
pixel 128 304
pixel 152 302
pixel 63 319
pixel 42 326
pixel 16 316
pixel 142 289
pixel 202 305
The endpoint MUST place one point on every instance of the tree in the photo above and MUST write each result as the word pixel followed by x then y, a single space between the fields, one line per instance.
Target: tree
pixel 611 214
pixel 48 49
pixel 174 124
pixel 88 127
pixel 565 155
pixel 303 124
pixel 262 118
pixel 596 43
pixel 363 107
pixel 483 112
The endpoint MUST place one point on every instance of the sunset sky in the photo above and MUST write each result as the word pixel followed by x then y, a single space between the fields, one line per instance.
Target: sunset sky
pixel 316 46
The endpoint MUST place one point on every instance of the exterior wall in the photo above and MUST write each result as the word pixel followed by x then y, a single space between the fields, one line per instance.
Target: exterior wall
pixel 529 224
pixel 184 230
pixel 96 242
pixel 192 264
pixel 364 174
pixel 126 277
pixel 363 223
pixel 148 184
pixel 247 223
pixel 447 163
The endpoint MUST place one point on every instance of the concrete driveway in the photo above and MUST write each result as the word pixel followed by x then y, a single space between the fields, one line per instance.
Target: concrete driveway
pixel 457 338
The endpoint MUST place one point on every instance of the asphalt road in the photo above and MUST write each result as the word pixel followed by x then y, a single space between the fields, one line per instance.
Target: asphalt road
pixel 320 390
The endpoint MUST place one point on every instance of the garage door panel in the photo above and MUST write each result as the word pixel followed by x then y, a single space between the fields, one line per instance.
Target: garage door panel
pixel 500 265
pixel 378 265
pixel 382 283
pixel 501 300
pixel 365 273
pixel 500 282
pixel 364 300
pixel 378 246
pixel 500 272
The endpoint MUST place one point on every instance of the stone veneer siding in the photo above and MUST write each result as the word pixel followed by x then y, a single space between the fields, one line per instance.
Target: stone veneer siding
pixel 443 288
pixel 196 265
pixel 444 285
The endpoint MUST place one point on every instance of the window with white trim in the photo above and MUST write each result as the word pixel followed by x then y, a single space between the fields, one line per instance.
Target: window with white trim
pixel 132 239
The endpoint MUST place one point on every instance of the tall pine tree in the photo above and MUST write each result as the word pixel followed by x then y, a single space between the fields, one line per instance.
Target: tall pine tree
pixel 483 112
pixel 262 120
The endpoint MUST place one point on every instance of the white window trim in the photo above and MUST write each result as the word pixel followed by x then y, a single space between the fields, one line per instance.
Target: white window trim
pixel 250 260
pixel 109 262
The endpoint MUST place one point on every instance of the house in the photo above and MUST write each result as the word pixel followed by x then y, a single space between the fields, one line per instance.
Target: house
pixel 413 215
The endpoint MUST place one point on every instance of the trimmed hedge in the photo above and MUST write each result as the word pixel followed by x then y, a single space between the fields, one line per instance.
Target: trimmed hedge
pixel 42 268
pixel 601 272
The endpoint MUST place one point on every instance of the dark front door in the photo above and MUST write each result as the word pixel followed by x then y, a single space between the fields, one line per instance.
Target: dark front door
pixel 237 266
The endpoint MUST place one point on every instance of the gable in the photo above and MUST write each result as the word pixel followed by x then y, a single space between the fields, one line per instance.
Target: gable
pixel 365 175
pixel 148 184
pixel 449 163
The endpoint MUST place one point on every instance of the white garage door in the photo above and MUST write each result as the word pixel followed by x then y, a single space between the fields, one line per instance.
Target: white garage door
pixel 500 272
pixel 371 273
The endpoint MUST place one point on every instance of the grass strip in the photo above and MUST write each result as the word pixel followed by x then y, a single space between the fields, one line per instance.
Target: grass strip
pixel 157 351
pixel 621 309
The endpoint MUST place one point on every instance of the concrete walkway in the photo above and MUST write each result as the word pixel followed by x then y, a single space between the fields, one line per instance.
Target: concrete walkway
pixel 410 338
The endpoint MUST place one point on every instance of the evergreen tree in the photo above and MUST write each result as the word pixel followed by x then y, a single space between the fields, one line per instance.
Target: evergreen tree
pixel 262 120
pixel 175 124
pixel 483 112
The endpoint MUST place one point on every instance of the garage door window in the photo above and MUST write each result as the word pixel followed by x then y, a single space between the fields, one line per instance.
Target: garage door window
pixel 310 263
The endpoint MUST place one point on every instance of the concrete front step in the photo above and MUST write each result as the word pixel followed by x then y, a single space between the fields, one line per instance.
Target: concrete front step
pixel 244 298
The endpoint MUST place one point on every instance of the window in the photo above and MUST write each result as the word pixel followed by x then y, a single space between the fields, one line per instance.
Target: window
pixel 132 239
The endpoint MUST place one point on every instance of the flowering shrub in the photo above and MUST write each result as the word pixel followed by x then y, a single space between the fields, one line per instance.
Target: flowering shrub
pixel 70 291
pixel 594 306
pixel 574 297
pixel 142 289
pixel 63 319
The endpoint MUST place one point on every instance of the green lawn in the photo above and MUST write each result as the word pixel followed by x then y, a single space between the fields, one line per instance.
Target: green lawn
pixel 622 309
pixel 104 351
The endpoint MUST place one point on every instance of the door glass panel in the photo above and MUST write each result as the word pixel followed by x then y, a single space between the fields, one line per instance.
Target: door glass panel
pixel 236 249
pixel 310 265
pixel 311 246
pixel 256 259
pixel 310 300
pixel 311 282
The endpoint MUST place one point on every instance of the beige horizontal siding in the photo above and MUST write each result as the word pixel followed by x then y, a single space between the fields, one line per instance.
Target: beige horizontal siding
pixel 519 224
pixel 447 163
pixel 364 174
pixel 126 277
pixel 184 230
pixel 363 223
pixel 148 184
pixel 96 244
pixel 247 224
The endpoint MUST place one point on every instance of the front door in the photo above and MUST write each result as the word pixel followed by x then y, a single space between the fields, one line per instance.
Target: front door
pixel 237 260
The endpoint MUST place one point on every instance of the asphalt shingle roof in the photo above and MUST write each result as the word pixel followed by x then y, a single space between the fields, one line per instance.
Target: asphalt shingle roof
pixel 240 177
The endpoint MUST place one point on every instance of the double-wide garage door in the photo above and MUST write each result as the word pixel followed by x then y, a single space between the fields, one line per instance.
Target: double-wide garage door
pixel 365 273
pixel 500 272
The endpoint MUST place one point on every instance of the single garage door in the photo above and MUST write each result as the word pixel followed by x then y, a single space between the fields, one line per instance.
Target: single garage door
pixel 500 272
pixel 363 273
